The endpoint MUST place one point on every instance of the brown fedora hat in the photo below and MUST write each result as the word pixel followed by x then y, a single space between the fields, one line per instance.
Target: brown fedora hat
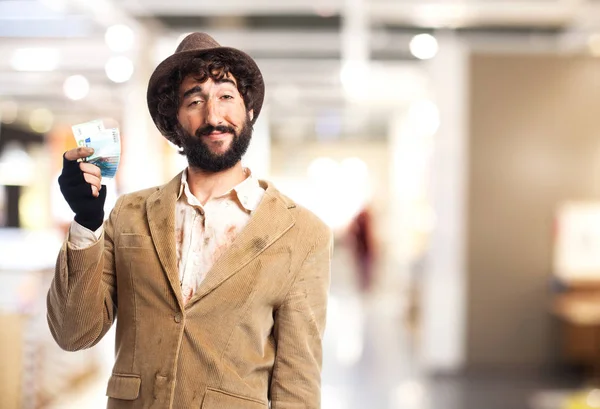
pixel 199 45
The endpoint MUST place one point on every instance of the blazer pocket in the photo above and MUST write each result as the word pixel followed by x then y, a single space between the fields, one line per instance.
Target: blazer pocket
pixel 134 241
pixel 125 387
pixel 217 399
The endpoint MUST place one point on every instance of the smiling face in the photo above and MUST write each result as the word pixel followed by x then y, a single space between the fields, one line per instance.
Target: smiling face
pixel 216 127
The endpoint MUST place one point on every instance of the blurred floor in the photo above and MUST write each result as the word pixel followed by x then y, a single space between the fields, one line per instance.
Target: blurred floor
pixel 370 362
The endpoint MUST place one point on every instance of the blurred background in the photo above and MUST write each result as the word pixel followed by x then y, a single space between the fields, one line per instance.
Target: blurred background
pixel 453 146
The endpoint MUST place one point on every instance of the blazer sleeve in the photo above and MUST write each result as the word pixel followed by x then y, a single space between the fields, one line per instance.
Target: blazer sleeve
pixel 82 300
pixel 298 331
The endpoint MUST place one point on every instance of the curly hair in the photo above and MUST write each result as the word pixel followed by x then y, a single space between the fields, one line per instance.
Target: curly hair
pixel 216 66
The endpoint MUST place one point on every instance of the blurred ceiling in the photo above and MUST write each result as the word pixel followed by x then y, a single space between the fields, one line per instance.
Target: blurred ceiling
pixel 301 46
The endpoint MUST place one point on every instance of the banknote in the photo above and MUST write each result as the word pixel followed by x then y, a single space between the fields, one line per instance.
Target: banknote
pixel 86 130
pixel 106 144
pixel 108 166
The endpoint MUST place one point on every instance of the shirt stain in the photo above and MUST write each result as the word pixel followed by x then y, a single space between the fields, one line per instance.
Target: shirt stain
pixel 201 243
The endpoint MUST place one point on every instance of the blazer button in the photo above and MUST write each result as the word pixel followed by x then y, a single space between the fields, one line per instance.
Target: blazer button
pixel 178 317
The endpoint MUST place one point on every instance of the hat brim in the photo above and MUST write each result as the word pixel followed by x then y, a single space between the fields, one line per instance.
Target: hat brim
pixel 163 71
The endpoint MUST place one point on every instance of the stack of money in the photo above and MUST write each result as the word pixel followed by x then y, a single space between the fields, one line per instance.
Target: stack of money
pixel 106 144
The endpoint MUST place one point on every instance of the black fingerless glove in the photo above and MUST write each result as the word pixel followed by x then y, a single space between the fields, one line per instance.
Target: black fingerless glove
pixel 89 210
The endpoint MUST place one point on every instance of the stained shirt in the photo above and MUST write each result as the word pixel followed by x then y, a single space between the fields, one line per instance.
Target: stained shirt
pixel 204 233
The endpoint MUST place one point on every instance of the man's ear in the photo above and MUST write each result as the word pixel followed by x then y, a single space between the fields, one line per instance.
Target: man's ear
pixel 251 114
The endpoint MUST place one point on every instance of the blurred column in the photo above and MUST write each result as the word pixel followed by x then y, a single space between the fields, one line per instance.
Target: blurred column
pixel 355 32
pixel 444 286
pixel 355 51
pixel 407 187
pixel 258 157
pixel 142 144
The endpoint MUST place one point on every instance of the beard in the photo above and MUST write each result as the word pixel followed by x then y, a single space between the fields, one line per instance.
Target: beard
pixel 200 156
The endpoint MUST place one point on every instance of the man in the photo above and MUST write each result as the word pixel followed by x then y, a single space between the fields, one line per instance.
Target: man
pixel 217 281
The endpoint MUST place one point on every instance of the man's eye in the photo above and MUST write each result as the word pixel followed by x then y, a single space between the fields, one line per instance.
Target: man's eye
pixel 196 102
pixel 227 96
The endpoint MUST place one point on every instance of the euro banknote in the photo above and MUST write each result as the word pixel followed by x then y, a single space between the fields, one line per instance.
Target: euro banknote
pixel 105 142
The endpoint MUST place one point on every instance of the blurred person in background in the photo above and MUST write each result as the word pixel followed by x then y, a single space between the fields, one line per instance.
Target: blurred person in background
pixel 217 281
pixel 360 232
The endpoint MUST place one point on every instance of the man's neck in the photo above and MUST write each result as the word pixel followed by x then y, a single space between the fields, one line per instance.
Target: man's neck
pixel 207 185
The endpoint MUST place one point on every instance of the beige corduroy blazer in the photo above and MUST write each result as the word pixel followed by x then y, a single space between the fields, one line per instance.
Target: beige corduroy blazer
pixel 250 337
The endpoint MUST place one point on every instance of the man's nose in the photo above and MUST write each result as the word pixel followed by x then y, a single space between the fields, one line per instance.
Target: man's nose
pixel 214 116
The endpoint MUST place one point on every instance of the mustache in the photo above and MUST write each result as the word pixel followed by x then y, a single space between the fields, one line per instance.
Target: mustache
pixel 208 129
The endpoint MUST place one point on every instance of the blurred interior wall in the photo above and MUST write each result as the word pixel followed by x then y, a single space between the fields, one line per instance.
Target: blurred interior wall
pixel 534 142
pixel 443 284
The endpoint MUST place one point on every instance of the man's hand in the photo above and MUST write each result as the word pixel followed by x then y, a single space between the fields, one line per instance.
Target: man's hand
pixel 80 184
pixel 91 173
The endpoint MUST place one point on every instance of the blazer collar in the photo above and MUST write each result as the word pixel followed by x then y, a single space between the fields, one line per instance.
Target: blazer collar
pixel 271 219
pixel 160 209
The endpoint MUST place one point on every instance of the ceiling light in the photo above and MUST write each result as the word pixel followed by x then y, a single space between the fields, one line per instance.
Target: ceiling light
pixel 35 59
pixel 76 87
pixel 41 120
pixel 119 38
pixel 424 46
pixel 119 69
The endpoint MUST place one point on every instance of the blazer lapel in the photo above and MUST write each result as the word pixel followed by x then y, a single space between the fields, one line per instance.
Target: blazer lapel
pixel 269 222
pixel 160 208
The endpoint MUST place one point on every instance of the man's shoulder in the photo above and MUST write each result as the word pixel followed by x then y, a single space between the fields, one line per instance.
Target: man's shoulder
pixel 139 195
